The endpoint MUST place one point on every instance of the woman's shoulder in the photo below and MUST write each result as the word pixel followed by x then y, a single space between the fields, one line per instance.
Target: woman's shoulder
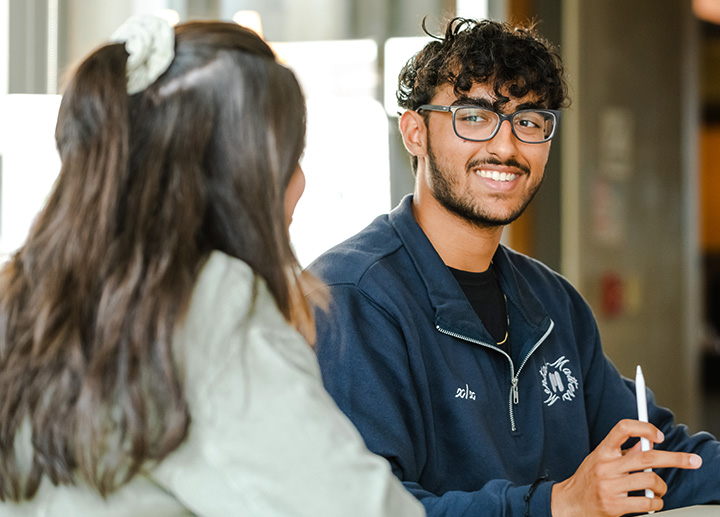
pixel 224 279
pixel 231 309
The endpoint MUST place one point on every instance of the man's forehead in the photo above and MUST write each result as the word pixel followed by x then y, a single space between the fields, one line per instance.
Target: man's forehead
pixel 483 95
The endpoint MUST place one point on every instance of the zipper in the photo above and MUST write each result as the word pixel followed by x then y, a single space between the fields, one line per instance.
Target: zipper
pixel 514 376
pixel 514 392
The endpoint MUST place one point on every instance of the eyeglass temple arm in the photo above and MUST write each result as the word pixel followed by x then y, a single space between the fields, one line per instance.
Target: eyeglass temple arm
pixel 434 107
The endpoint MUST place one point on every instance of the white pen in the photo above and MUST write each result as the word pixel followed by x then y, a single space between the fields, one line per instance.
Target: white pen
pixel 642 416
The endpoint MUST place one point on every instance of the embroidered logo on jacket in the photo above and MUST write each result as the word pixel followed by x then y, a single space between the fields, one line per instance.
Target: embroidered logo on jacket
pixel 558 381
pixel 465 393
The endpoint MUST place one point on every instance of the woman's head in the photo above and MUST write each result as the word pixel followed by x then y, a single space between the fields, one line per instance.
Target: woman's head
pixel 212 145
pixel 194 160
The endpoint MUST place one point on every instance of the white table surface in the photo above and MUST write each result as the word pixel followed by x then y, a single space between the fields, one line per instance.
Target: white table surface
pixel 692 511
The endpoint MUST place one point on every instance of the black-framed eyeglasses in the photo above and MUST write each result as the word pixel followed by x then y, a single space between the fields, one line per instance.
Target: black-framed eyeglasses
pixel 532 126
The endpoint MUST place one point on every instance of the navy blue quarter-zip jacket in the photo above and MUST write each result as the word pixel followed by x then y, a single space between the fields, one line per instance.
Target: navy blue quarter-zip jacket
pixel 467 428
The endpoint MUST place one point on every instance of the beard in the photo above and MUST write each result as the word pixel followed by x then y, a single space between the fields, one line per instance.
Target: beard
pixel 466 205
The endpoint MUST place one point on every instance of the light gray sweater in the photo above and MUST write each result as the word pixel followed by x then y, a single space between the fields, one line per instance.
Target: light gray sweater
pixel 265 440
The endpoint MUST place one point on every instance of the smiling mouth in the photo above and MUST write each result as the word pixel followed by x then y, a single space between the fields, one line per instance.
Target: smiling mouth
pixel 496 176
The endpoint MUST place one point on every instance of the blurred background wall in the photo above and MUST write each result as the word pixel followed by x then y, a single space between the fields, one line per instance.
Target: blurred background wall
pixel 628 211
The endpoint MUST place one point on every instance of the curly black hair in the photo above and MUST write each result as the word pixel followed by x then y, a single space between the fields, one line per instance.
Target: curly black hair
pixel 516 60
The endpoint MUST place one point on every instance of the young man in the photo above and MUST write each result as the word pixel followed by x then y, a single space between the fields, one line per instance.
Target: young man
pixel 476 371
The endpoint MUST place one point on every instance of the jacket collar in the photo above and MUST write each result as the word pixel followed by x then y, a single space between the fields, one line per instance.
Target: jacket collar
pixel 529 320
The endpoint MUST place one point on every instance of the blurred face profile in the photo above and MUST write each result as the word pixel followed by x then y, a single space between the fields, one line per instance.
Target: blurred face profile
pixel 293 193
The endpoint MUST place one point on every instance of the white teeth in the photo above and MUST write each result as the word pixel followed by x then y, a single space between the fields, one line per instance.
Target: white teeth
pixel 497 176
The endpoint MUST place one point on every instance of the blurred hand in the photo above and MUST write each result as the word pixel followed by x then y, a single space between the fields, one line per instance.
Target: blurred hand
pixel 601 484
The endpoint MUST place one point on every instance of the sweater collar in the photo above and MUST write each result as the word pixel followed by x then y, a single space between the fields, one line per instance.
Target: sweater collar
pixel 453 312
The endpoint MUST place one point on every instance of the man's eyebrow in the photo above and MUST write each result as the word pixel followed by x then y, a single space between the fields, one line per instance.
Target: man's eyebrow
pixel 473 101
pixel 529 106
pixel 482 102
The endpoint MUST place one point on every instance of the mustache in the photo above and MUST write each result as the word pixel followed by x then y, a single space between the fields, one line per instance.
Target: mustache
pixel 511 162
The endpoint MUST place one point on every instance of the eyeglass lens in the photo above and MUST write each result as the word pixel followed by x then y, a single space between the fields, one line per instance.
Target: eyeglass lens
pixel 480 124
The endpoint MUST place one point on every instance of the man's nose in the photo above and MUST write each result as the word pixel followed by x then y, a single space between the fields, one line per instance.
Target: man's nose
pixel 504 143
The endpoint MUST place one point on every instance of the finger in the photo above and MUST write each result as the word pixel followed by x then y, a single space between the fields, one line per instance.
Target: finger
pixel 638 505
pixel 655 459
pixel 635 449
pixel 615 499
pixel 639 481
pixel 627 428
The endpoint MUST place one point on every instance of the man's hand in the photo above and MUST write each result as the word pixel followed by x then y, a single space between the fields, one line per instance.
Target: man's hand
pixel 601 484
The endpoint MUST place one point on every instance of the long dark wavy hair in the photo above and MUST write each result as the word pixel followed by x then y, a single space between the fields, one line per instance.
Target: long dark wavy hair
pixel 513 59
pixel 150 184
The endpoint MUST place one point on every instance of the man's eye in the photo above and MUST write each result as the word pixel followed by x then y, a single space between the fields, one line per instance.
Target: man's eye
pixel 474 116
pixel 528 124
pixel 529 120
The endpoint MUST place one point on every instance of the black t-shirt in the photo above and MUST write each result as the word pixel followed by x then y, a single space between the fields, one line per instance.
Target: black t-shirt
pixel 487 300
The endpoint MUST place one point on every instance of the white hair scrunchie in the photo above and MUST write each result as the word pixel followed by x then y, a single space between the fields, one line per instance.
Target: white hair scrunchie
pixel 150 43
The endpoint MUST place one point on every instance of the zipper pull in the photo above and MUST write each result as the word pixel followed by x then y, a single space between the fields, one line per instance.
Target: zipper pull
pixel 515 391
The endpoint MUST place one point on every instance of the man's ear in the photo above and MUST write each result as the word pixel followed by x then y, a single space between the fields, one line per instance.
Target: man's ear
pixel 414 132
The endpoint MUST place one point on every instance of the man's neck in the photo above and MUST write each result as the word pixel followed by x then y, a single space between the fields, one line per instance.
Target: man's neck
pixel 460 244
